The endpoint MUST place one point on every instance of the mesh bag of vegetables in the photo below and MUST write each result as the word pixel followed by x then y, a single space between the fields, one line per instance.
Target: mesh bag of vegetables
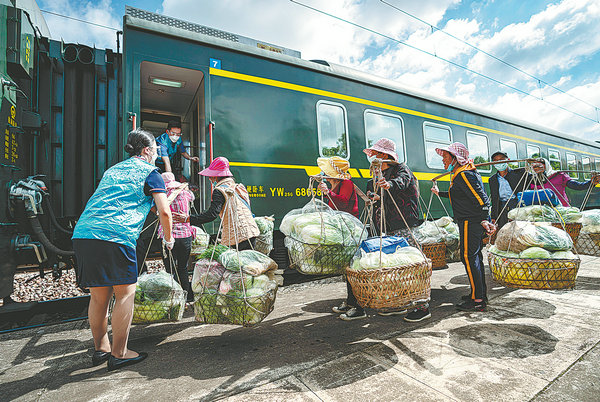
pixel 390 281
pixel 158 298
pixel 264 241
pixel 321 240
pixel 200 242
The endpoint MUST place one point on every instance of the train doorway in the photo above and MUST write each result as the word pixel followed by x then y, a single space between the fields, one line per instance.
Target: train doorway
pixel 174 93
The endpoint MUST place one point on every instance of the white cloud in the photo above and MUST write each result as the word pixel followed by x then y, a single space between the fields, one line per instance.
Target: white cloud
pixel 99 12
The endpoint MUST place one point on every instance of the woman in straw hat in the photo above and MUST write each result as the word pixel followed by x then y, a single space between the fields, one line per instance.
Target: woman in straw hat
pixel 470 206
pixel 183 233
pixel 341 196
pixel 231 202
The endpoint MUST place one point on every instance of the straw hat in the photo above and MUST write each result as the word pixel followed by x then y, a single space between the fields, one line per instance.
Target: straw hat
pixel 219 167
pixel 458 150
pixel 386 146
pixel 334 167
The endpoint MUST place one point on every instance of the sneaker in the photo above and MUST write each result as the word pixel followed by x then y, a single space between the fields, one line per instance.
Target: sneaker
pixel 342 308
pixel 393 312
pixel 471 305
pixel 468 297
pixel 417 315
pixel 353 314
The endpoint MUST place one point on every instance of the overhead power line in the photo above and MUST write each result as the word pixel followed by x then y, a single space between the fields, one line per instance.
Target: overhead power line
pixel 443 59
pixel 539 80
pixel 79 20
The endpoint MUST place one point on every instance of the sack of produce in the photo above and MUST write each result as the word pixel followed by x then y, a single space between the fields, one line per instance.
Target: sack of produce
pixel 207 275
pixel 321 240
pixel 158 297
pixel 429 232
pixel 403 256
pixel 201 240
pixel 250 261
pixel 533 213
pixel 264 241
pixel 516 236
pixel 591 221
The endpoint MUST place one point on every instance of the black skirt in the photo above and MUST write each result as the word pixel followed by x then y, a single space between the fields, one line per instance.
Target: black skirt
pixel 104 263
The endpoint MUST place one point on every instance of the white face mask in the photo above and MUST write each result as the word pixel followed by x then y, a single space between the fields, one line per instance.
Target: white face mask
pixel 371 158
pixel 174 138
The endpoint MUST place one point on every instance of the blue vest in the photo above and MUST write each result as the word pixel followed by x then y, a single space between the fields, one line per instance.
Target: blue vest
pixel 172 147
pixel 118 208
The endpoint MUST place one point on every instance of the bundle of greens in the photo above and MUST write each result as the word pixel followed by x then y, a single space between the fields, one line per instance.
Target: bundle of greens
pixel 252 262
pixel 545 213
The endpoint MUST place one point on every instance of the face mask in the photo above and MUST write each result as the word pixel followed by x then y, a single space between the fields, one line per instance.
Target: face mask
pixel 501 167
pixel 371 158
pixel 450 168
pixel 174 138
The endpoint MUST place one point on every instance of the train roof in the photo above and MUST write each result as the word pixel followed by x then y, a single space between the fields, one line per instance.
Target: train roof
pixel 158 23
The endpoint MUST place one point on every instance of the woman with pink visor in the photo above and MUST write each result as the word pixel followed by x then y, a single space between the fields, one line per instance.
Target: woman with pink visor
pixel 230 202
pixel 470 206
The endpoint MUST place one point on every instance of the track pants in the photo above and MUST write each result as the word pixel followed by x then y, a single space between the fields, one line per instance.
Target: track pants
pixel 471 236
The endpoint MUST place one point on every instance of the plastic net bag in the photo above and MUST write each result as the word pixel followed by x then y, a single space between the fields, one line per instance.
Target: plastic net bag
pixel 200 242
pixel 517 236
pixel 207 275
pixel 264 241
pixel 251 261
pixel 158 297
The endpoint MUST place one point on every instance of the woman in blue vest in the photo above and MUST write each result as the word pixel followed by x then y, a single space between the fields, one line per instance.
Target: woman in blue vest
pixel 104 241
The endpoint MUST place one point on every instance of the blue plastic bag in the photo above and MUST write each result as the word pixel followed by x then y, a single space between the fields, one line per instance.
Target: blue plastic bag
pixel 537 197
pixel 389 244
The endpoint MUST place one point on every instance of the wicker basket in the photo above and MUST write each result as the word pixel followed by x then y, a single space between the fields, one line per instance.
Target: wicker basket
pixel 264 243
pixel 530 273
pixel 216 308
pixel 572 229
pixel 392 288
pixel 319 259
pixel 588 244
pixel 436 252
pixel 151 307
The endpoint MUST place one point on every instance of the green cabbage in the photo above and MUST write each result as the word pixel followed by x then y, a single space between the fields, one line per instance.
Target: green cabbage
pixel 535 252
pixel 252 262
pixel 287 223
pixel 402 257
pixel 563 255
pixel 158 286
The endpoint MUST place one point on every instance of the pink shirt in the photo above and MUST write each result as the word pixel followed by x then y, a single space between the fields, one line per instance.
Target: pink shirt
pixel 181 205
pixel 558 184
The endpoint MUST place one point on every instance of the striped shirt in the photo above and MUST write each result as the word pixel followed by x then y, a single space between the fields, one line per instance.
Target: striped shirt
pixel 181 205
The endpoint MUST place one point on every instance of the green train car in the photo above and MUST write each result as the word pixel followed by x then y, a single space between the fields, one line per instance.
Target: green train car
pixel 272 113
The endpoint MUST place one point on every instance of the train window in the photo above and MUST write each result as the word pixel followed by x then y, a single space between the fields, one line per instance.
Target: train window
pixel 435 136
pixel 554 158
pixel 533 151
pixel 572 164
pixel 510 149
pixel 587 166
pixel 383 125
pixel 332 129
pixel 478 149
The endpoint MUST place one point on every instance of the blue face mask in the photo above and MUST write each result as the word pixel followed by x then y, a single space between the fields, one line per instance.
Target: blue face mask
pixel 501 167
pixel 450 168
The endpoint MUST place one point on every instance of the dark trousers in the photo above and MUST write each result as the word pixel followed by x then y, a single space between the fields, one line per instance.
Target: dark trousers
pixel 180 256
pixel 471 237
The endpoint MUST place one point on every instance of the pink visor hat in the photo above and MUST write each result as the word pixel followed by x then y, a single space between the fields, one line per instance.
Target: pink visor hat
pixel 457 149
pixel 219 167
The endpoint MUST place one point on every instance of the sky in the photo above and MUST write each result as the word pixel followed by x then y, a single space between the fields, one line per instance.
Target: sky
pixel 554 45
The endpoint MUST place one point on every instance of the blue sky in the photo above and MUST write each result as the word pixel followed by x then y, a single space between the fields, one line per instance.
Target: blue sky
pixel 555 41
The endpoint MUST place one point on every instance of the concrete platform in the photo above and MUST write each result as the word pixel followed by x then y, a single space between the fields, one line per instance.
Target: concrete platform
pixel 529 345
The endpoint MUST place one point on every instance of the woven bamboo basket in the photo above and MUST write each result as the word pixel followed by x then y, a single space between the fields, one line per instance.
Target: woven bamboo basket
pixel 151 307
pixel 319 259
pixel 588 244
pixel 392 288
pixel 573 229
pixel 436 252
pixel 531 273
pixel 217 308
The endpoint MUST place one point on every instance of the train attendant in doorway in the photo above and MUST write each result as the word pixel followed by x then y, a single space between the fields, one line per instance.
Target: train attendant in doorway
pixel 470 206
pixel 504 186
pixel 104 242
pixel 231 202
pixel 559 181
pixel 169 145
